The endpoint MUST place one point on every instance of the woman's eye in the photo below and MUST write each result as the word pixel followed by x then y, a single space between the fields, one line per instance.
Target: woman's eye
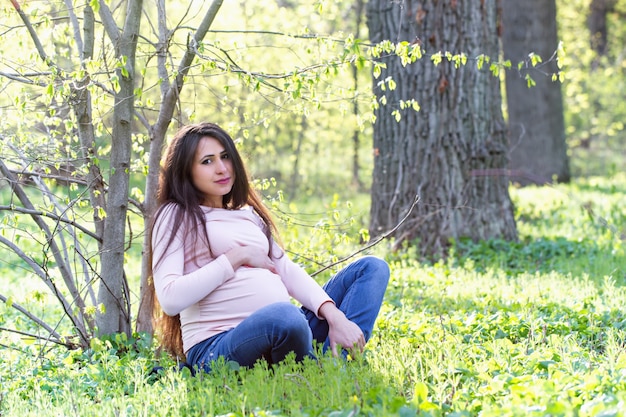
pixel 206 162
pixel 225 156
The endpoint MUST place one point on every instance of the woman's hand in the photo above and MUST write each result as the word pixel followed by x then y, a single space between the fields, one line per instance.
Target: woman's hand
pixel 341 331
pixel 250 256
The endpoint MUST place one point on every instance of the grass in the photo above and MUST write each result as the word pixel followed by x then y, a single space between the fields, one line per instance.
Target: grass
pixel 529 328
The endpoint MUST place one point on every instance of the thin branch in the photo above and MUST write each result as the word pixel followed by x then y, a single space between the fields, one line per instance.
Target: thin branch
pixel 32 32
pixel 32 317
pixel 140 206
pixel 49 283
pixel 236 68
pixel 22 78
pixel 69 179
pixel 2 345
pixel 35 336
pixel 74 20
pixel 30 261
pixel 62 265
pixel 514 173
pixel 51 216
pixel 375 242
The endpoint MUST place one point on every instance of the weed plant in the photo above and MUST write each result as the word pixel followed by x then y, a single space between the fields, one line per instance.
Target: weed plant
pixel 529 328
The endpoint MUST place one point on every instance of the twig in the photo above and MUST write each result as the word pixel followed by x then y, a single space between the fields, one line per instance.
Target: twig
pixel 32 317
pixel 2 345
pixel 375 242
pixel 604 222
pixel 515 173
pixel 35 336
pixel 65 178
pixel 50 216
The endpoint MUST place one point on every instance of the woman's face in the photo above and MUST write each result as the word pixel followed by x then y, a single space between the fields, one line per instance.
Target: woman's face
pixel 212 171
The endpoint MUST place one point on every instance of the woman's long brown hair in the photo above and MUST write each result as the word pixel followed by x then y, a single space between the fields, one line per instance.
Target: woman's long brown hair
pixel 176 187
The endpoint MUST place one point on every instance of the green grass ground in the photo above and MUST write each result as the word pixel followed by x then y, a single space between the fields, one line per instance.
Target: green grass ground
pixel 530 328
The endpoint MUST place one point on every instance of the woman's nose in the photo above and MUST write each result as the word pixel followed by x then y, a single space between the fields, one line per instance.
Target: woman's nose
pixel 220 166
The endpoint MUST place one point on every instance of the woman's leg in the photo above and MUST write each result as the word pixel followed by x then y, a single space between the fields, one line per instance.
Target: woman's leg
pixel 270 333
pixel 358 291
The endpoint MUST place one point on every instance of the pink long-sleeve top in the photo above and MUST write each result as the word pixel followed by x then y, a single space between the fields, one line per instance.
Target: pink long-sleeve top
pixel 202 286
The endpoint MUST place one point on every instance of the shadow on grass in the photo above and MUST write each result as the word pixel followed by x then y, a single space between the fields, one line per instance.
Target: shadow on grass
pixel 541 255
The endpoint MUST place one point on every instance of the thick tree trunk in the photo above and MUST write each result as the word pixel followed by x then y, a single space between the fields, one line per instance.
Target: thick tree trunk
pixel 536 125
pixel 446 152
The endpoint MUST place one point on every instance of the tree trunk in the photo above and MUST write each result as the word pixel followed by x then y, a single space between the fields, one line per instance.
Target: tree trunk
pixel 596 22
pixel 359 5
pixel 442 152
pixel 536 126
pixel 113 292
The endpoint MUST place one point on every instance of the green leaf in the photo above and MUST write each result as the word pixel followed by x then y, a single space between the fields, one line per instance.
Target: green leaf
pixel 420 392
pixel 436 58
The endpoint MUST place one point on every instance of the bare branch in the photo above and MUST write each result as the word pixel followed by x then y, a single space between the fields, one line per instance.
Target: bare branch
pixel 512 173
pixel 51 216
pixel 49 283
pixel 65 178
pixel 75 26
pixel 375 242
pixel 23 78
pixel 36 336
pixel 30 261
pixel 2 345
pixel 62 265
pixel 31 317
pixel 32 32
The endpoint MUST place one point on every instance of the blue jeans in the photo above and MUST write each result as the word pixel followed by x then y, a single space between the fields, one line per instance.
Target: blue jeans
pixel 274 331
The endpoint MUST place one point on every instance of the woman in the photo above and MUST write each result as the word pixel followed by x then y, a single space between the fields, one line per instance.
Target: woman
pixel 223 283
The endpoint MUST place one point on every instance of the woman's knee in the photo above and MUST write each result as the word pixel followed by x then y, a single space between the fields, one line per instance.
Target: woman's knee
pixel 376 267
pixel 291 332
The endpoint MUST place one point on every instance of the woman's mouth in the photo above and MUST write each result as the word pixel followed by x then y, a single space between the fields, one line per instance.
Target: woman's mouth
pixel 223 181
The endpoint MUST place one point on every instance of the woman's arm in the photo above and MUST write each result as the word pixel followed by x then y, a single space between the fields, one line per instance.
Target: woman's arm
pixel 341 331
pixel 176 290
pixel 300 285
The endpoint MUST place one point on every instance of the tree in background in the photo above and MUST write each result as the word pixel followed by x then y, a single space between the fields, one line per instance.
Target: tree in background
pixel 595 86
pixel 450 153
pixel 538 151
pixel 597 24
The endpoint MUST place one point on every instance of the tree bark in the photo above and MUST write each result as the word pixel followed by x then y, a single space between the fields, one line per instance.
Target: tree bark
pixel 439 152
pixel 536 124
pixel 113 292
